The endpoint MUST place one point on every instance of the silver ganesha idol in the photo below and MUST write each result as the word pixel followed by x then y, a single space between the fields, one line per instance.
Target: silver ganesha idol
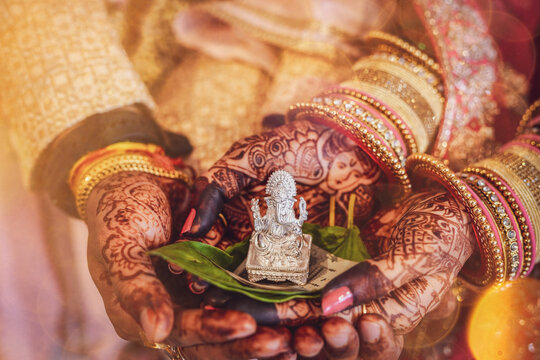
pixel 278 250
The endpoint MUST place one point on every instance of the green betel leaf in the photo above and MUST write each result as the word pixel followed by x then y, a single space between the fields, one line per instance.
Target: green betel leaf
pixel 239 252
pixel 204 261
pixel 210 263
pixel 342 242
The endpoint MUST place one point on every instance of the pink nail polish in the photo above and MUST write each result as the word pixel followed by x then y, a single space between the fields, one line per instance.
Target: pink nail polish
pixel 189 221
pixel 337 300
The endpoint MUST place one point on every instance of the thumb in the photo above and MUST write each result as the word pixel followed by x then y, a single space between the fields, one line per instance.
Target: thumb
pixel 360 284
pixel 133 281
pixel 203 216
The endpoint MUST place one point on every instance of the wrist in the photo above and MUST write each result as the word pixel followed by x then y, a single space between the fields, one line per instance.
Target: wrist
pixel 95 167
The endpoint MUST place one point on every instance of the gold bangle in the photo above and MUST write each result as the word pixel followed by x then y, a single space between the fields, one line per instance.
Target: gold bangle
pixel 388 53
pixel 394 102
pixel 421 97
pixel 120 147
pixel 527 117
pixel 518 214
pixel 102 168
pixel 525 165
pixel 526 197
pixel 411 76
pixel 401 45
pixel 523 139
pixel 367 117
pixel 507 233
pixel 422 166
pixel 407 131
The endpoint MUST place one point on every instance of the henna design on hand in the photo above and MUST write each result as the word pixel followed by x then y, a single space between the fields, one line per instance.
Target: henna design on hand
pixel 128 214
pixel 323 162
pixel 297 311
pixel 421 254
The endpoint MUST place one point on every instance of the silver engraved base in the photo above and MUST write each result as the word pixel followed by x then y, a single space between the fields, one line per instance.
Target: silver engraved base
pixel 296 274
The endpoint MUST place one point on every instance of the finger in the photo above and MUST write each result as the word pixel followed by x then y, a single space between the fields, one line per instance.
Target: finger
pixel 289 355
pixel 175 269
pixel 363 282
pixel 290 313
pixel 266 342
pixel 199 326
pixel 446 307
pixel 137 288
pixel 377 339
pixel 429 238
pixel 204 215
pixel 264 313
pixel 406 306
pixel 341 339
pixel 197 285
pixel 214 236
pixel 124 324
pixel 372 279
pixel 307 341
pixel 217 298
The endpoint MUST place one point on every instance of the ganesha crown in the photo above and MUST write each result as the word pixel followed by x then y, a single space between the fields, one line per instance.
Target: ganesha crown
pixel 281 183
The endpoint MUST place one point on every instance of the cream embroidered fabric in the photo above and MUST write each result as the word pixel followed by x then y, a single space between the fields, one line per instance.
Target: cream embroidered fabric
pixel 60 62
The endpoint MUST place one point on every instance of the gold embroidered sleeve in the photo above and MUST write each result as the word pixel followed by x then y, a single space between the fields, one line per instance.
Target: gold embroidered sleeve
pixel 61 66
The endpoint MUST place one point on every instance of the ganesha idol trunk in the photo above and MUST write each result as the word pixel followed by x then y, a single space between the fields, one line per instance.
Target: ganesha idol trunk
pixel 278 250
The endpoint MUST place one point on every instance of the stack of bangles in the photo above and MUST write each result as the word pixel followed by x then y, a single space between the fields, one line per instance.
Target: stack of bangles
pixel 502 196
pixel 124 156
pixel 391 108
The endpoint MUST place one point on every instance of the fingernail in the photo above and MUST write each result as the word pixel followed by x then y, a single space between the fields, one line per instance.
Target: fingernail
pixel 189 221
pixel 154 326
pixel 198 287
pixel 337 300
pixel 175 269
pixel 371 332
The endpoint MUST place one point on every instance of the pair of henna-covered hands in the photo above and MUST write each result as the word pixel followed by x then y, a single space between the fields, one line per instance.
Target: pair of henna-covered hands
pixel 418 247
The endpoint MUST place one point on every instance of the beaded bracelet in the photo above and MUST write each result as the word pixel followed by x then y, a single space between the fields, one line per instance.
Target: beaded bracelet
pixel 527 117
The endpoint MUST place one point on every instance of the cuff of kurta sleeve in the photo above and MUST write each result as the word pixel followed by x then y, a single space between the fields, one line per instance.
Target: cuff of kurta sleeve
pixel 132 123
